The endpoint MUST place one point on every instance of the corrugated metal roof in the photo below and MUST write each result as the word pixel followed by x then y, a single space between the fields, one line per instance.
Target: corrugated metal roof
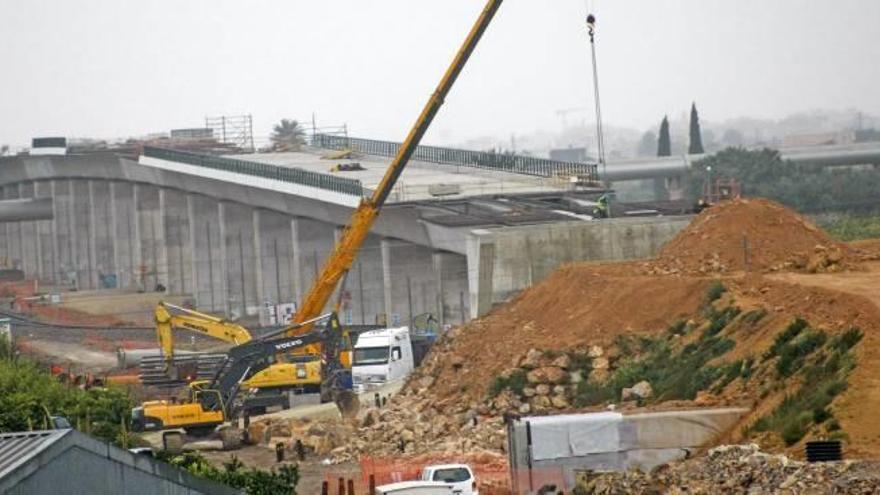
pixel 17 448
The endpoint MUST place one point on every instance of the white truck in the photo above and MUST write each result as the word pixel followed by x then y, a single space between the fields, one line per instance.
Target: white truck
pixel 380 357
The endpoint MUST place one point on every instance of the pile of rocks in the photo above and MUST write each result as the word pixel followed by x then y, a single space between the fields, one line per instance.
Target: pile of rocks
pixel 317 437
pixel 741 469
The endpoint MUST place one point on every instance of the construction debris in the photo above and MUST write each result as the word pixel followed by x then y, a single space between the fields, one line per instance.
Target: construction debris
pixel 740 469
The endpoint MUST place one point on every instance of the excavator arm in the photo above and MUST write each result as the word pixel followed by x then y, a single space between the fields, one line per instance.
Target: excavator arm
pixel 343 255
pixel 170 317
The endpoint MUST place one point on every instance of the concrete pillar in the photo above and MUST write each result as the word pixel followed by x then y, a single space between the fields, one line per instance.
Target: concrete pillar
pixel 112 232
pixel 56 265
pixel 136 247
pixel 222 215
pixel 191 225
pixel 162 274
pixel 93 239
pixel 386 280
pixel 258 263
pixel 480 267
pixel 38 232
pixel 438 265
pixel 30 257
pixel 296 260
pixel 73 236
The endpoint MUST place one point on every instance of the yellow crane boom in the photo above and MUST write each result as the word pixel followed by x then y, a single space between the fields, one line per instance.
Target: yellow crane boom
pixel 345 250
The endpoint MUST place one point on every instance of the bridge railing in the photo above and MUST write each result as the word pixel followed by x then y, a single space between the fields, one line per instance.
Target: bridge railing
pixel 285 174
pixel 500 162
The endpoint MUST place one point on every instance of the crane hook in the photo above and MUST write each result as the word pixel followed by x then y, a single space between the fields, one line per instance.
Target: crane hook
pixel 591 26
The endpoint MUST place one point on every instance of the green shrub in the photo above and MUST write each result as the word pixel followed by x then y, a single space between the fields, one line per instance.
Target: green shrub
pixel 754 316
pixel 846 340
pixel 796 427
pixel 678 328
pixel 718 320
pixel 715 291
pixel 793 353
pixel 27 392
pixel 236 475
pixel 516 382
pixel 791 331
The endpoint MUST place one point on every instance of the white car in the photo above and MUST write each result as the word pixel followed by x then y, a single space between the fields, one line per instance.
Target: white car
pixel 459 476
pixel 415 488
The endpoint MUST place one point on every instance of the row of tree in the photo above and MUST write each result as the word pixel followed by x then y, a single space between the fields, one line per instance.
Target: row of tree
pixel 664 142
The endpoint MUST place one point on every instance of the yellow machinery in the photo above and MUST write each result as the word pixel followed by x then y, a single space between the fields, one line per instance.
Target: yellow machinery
pixel 304 373
pixel 345 250
pixel 213 403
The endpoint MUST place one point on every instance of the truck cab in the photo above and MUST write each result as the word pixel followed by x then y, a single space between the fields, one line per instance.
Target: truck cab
pixel 459 476
pixel 380 357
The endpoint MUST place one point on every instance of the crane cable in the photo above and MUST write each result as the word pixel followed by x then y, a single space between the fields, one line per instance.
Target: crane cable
pixel 600 138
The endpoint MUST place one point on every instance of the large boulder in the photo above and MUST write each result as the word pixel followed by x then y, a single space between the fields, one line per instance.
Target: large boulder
pixel 641 390
pixel 547 374
pixel 532 359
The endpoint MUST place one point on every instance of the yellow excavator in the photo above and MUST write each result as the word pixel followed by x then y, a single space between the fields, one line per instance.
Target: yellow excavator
pixel 296 374
pixel 212 403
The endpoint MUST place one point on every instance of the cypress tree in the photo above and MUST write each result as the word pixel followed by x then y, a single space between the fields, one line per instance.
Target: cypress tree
pixel 664 145
pixel 696 142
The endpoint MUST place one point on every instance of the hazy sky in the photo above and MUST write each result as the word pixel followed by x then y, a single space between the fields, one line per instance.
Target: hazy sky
pixel 122 67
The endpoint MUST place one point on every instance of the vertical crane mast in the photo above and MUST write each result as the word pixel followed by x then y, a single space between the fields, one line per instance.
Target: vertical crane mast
pixel 345 250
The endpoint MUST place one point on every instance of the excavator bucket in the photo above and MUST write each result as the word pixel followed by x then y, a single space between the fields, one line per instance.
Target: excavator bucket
pixel 347 402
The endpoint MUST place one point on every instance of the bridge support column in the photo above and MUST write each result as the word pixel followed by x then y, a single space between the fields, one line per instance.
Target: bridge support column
pixel 138 278
pixel 296 260
pixel 28 235
pixel 437 259
pixel 4 229
pixel 39 227
pixel 385 246
pixel 480 269
pixel 222 215
pixel 113 232
pixel 162 274
pixel 73 236
pixel 56 265
pixel 93 239
pixel 191 226
pixel 14 234
pixel 258 264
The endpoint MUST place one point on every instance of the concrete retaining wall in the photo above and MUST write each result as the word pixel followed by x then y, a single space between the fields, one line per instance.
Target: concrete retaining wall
pixel 504 261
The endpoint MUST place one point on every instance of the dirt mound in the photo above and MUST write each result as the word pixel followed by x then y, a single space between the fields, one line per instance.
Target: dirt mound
pixel 752 235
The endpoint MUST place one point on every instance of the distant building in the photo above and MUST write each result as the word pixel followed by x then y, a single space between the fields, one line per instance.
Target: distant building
pixel 577 155
pixel 49 146
pixel 196 133
pixel 818 139
pixel 70 462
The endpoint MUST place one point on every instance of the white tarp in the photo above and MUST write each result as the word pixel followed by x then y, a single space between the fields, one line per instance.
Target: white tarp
pixel 574 435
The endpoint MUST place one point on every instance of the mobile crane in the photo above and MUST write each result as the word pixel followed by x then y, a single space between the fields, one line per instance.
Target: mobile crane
pixel 344 252
pixel 213 403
